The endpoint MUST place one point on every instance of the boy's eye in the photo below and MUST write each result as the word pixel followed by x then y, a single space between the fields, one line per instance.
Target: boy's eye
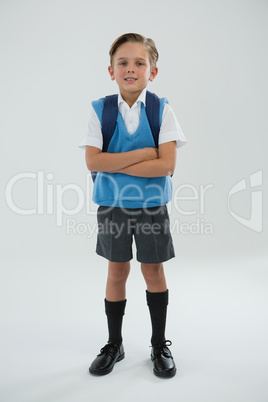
pixel 124 63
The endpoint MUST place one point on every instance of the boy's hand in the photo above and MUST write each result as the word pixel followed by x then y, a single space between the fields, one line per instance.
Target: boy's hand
pixel 98 161
pixel 150 154
pixel 163 165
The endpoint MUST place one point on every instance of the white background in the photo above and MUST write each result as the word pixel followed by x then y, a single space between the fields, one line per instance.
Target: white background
pixel 213 69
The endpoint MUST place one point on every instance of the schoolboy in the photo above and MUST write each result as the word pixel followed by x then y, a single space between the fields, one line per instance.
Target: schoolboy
pixel 132 188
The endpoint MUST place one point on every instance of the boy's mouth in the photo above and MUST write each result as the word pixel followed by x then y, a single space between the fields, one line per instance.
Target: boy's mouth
pixel 130 79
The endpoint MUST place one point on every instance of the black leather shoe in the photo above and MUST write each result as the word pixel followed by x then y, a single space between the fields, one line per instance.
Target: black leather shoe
pixel 105 361
pixel 162 359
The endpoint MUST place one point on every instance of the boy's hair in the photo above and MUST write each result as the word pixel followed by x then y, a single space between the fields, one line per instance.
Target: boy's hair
pixel 134 37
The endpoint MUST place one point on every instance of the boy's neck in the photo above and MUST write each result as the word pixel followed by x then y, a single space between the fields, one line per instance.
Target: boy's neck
pixel 130 98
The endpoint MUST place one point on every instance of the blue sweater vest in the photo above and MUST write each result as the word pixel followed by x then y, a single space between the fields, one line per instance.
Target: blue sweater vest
pixel 125 191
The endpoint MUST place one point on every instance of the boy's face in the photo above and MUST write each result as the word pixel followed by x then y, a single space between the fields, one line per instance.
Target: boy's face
pixel 131 69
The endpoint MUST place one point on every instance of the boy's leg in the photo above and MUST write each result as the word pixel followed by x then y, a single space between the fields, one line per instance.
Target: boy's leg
pixel 115 300
pixel 115 303
pixel 116 280
pixel 157 300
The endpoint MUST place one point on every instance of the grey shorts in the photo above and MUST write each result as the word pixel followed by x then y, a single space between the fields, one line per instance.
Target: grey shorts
pixel 149 226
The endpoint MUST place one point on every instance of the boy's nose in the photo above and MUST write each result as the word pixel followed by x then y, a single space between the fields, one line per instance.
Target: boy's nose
pixel 131 69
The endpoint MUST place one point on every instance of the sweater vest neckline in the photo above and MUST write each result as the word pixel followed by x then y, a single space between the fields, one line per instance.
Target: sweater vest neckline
pixel 141 122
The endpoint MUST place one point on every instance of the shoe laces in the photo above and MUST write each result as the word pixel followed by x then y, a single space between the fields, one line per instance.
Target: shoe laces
pixel 108 348
pixel 162 349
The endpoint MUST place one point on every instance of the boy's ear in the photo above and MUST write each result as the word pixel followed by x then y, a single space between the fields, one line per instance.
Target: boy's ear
pixel 111 72
pixel 153 74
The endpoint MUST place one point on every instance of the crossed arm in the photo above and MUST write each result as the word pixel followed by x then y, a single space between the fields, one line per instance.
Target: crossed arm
pixel 146 162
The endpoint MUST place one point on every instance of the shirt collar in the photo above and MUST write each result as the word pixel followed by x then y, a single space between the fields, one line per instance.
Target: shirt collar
pixel 141 99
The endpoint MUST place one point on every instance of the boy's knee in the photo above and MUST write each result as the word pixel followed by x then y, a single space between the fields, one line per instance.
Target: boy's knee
pixel 152 272
pixel 118 272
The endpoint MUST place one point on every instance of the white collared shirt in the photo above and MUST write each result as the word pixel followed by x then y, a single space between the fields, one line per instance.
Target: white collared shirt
pixel 170 129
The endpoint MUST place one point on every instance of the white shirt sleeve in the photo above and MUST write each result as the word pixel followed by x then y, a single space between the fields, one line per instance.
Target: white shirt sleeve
pixel 170 129
pixel 93 136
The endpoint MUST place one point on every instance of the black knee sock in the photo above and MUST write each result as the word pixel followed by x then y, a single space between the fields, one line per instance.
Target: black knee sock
pixel 115 312
pixel 158 303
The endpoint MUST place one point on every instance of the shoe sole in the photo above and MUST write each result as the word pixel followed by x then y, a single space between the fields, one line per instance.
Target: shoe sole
pixel 107 371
